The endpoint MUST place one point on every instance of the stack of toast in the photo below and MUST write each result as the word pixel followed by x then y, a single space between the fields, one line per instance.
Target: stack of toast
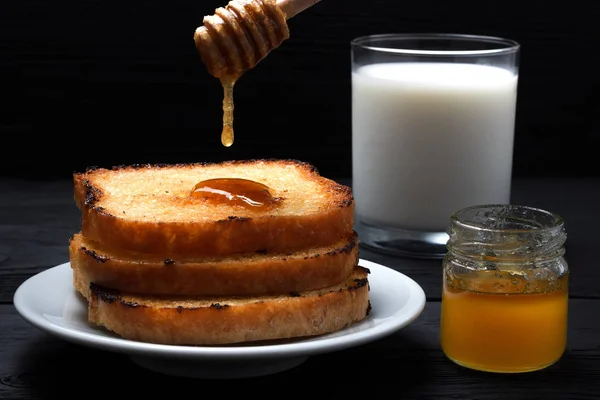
pixel 217 253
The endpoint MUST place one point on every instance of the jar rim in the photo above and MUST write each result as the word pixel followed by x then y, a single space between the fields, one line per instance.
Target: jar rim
pixel 508 218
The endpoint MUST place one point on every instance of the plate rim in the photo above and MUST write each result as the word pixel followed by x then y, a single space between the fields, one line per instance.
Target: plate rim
pixel 416 303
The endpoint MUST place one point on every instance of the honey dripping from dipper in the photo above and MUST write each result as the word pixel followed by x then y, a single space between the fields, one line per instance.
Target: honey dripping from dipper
pixel 237 37
pixel 227 133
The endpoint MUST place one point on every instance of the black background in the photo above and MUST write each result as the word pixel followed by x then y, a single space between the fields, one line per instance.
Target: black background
pixel 92 82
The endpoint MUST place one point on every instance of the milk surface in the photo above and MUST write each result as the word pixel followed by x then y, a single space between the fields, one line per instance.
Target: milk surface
pixel 428 139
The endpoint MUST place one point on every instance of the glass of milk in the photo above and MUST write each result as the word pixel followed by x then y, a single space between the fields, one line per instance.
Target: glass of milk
pixel 433 119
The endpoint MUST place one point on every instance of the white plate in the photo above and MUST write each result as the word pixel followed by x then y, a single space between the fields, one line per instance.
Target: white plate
pixel 49 302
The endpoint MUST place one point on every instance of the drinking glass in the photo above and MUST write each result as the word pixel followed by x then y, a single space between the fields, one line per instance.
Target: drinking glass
pixel 433 120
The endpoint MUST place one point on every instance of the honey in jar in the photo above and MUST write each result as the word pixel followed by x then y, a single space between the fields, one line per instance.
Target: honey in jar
pixel 505 289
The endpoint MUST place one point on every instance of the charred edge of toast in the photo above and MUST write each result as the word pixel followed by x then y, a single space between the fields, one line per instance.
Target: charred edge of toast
pixel 216 306
pixel 92 194
pixel 110 296
pixel 346 249
pixel 346 202
pixel 234 218
pixel 358 283
pixel 364 269
pixel 94 255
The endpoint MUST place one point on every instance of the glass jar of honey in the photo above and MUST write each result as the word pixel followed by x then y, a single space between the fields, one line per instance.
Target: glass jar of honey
pixel 505 289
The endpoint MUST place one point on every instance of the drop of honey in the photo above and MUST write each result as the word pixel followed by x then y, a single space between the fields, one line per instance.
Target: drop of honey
pixel 235 191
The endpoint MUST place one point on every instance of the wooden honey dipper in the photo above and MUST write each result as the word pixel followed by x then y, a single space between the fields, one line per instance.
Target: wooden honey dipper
pixel 237 37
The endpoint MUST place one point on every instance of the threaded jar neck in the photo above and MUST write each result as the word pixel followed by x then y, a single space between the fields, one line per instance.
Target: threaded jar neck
pixel 506 233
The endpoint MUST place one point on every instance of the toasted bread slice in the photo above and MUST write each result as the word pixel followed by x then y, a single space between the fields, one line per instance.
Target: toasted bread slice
pixel 148 209
pixel 245 274
pixel 227 320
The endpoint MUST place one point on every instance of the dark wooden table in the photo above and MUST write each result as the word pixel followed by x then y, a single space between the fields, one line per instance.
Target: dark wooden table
pixel 38 217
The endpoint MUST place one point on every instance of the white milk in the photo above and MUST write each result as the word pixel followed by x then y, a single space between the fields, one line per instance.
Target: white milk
pixel 428 139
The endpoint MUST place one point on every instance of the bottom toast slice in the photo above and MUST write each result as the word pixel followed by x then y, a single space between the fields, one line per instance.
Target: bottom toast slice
pixel 227 320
